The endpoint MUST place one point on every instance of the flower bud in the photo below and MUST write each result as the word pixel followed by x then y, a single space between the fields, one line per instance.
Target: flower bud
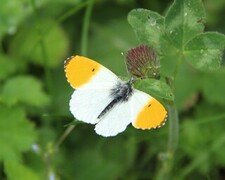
pixel 142 62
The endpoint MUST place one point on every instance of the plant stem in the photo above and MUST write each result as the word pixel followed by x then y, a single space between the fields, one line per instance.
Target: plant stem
pixel 165 172
pixel 173 128
pixel 166 169
pixel 72 11
pixel 43 50
pixel 86 23
pixel 64 135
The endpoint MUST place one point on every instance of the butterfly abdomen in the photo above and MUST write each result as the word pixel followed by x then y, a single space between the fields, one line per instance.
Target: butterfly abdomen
pixel 119 94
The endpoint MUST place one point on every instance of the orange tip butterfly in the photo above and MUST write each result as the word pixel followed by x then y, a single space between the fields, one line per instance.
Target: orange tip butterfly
pixel 101 98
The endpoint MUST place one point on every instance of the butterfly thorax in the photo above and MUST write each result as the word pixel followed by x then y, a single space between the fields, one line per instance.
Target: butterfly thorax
pixel 120 93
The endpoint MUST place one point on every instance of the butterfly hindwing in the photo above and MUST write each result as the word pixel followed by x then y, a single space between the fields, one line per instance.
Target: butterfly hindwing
pixel 115 121
pixel 149 113
pixel 87 103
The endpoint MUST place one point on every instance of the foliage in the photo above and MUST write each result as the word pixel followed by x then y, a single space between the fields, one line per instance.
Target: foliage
pixel 36 36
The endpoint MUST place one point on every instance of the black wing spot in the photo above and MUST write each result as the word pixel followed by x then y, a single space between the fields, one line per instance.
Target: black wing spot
pixel 149 105
pixel 93 69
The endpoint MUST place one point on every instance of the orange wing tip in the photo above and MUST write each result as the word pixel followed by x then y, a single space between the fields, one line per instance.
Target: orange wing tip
pixel 152 115
pixel 66 62
pixel 163 122
pixel 80 70
pixel 155 127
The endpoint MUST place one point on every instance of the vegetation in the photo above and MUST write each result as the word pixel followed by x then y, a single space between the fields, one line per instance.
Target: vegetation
pixel 37 138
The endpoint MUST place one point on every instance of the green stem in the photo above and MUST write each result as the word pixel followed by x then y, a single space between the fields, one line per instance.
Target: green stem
pixel 173 129
pixel 166 170
pixel 167 158
pixel 72 11
pixel 43 50
pixel 64 135
pixel 86 23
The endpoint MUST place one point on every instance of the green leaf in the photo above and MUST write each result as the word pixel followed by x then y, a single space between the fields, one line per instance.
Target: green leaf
pixel 16 133
pixel 148 26
pixel 25 89
pixel 156 88
pixel 7 66
pixel 47 31
pixel 183 21
pixel 204 51
pixel 18 171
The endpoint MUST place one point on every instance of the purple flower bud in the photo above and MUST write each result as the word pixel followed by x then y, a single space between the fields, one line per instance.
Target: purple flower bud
pixel 142 62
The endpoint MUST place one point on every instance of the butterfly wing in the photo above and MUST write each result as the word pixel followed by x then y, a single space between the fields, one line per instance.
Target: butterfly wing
pixel 147 111
pixel 93 83
pixel 142 110
pixel 82 72
pixel 86 104
pixel 115 121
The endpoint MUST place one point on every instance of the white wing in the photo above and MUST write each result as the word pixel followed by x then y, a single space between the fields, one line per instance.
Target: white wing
pixel 116 120
pixel 88 101
pixel 86 104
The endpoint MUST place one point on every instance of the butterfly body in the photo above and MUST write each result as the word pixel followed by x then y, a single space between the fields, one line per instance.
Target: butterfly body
pixel 120 93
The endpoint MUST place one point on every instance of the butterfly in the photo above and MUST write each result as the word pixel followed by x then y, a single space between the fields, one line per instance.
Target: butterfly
pixel 103 99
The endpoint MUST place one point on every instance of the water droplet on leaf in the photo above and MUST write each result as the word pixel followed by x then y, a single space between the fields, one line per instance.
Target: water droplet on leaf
pixel 152 21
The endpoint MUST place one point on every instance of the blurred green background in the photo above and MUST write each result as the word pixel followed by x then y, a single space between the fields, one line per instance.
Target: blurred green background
pixel 36 37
